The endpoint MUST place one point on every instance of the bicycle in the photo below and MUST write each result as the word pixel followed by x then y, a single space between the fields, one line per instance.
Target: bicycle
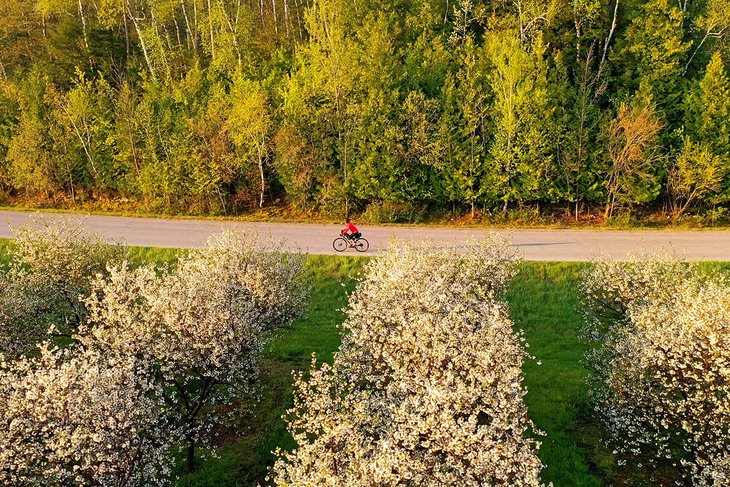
pixel 343 242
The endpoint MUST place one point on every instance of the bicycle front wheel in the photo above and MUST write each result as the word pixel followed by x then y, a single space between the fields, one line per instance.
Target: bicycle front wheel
pixel 340 244
pixel 362 245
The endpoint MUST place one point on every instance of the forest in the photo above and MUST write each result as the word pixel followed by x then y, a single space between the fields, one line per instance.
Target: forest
pixel 388 110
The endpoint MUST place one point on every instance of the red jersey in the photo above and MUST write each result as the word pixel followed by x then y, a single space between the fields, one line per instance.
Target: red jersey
pixel 350 228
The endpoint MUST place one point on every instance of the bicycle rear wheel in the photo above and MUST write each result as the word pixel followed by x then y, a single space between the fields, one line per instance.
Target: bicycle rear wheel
pixel 339 244
pixel 361 245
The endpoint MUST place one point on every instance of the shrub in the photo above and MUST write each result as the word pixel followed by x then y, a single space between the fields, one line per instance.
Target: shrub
pixel 426 387
pixel 392 212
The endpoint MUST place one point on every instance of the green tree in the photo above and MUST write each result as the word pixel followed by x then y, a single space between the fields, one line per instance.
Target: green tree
pixel 250 125
pixel 707 107
pixel 85 114
pixel 653 54
pixel 521 114
pixel 576 124
pixel 127 136
pixel 712 24
pixel 696 175
pixel 463 129
pixel 30 157
pixel 320 99
pixel 707 119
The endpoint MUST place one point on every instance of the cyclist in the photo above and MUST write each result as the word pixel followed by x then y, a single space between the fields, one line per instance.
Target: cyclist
pixel 350 231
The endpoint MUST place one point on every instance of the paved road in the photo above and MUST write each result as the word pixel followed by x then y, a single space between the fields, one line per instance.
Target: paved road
pixel 549 245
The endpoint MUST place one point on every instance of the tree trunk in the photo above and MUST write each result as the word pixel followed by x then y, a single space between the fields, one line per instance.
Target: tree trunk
pixel 298 20
pixel 195 24
pixel 210 29
pixel 608 39
pixel 191 455
pixel 273 8
pixel 84 142
pixel 286 17
pixel 689 61
pixel 141 41
pixel 177 32
pixel 188 34
pixel 610 206
pixel 83 25
pixel 126 34
pixel 235 39
pixel 261 174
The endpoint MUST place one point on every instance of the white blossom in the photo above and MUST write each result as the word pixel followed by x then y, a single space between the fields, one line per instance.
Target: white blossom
pixel 79 419
pixel 426 387
pixel 201 327
pixel 663 372
pixel 52 265
pixel 611 286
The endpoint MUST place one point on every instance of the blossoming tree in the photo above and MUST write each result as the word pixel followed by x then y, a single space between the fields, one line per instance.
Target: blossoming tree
pixel 663 371
pixel 200 328
pixel 77 418
pixel 53 263
pixel 426 387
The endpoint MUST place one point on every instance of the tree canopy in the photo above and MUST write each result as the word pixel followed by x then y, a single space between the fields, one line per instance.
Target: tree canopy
pixel 387 108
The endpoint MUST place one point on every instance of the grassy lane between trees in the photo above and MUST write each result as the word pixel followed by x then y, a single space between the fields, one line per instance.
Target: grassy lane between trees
pixel 545 303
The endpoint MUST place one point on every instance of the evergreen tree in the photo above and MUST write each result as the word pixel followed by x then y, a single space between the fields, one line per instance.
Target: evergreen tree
pixel 707 122
pixel 653 55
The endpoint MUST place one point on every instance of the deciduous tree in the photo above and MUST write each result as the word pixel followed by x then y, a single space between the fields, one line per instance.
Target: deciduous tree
pixel 426 387
pixel 199 330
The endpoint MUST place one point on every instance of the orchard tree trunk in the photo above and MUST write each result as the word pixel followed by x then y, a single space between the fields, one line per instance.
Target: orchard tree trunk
pixel 190 457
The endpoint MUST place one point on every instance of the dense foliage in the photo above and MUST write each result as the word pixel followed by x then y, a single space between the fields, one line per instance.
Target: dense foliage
pixel 389 108
pixel 663 370
pixel 426 388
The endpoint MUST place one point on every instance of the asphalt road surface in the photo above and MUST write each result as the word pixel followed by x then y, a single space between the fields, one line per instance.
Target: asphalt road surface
pixel 547 245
